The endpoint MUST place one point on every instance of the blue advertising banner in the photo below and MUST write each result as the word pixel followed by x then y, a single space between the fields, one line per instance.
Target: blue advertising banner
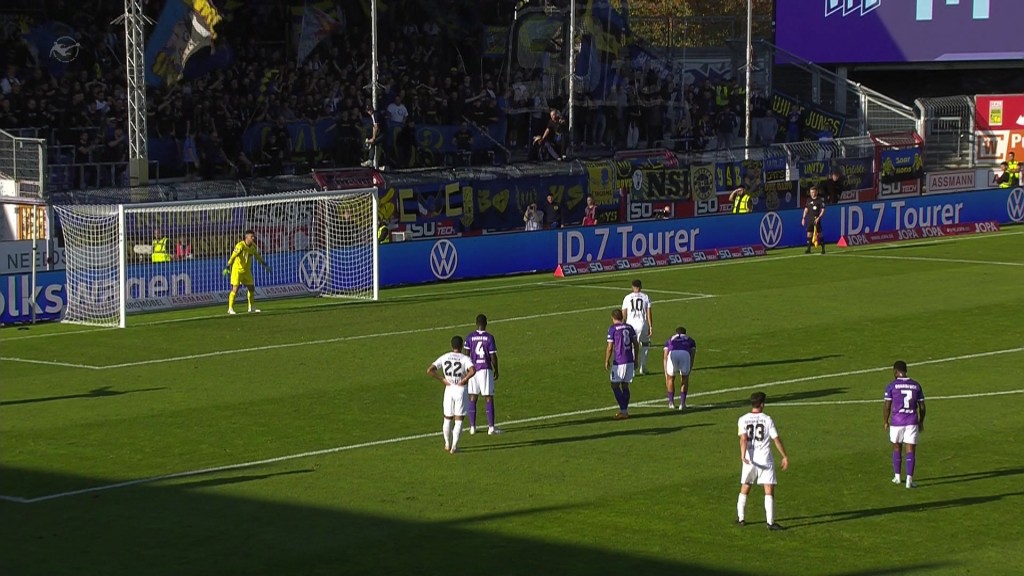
pixel 16 303
pixel 516 253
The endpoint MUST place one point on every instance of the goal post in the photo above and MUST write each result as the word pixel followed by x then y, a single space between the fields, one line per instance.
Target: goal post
pixel 315 243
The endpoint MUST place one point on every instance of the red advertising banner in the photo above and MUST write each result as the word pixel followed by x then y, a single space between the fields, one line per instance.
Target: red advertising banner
pixel 639 262
pixel 917 233
pixel 999 127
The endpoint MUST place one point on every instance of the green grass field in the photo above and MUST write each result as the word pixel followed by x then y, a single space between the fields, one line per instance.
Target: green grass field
pixel 306 440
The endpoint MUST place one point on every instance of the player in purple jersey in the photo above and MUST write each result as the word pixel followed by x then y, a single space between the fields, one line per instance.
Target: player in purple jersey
pixel 904 419
pixel 619 360
pixel 680 350
pixel 480 346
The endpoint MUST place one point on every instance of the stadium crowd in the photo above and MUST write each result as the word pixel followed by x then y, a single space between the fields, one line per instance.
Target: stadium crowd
pixel 425 79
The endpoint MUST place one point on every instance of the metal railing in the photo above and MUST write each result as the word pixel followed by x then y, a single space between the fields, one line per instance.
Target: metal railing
pixel 947 126
pixel 23 160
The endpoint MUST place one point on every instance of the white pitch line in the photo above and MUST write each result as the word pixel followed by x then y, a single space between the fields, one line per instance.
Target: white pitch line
pixel 15 499
pixel 879 400
pixel 872 401
pixel 626 290
pixel 694 266
pixel 935 259
pixel 50 363
pixel 256 463
pixel 350 338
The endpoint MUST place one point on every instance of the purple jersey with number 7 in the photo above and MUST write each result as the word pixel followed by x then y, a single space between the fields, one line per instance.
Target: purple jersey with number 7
pixel 905 394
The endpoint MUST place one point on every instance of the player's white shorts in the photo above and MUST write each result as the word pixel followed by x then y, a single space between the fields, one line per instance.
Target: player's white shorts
pixel 643 332
pixel 678 363
pixel 758 474
pixel 455 400
pixel 622 373
pixel 482 383
pixel 903 434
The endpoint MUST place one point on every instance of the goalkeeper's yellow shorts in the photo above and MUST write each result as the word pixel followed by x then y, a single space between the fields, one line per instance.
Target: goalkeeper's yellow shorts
pixel 241 277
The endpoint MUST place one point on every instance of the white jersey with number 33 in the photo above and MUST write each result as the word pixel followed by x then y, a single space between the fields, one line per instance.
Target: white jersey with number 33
pixel 760 430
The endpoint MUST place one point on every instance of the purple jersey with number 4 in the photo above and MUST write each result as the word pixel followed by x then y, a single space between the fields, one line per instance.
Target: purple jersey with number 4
pixel 905 395
pixel 680 342
pixel 479 346
pixel 621 336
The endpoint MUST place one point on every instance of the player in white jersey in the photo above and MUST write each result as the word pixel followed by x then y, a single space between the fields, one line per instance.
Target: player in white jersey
pixel 757 434
pixel 636 307
pixel 454 370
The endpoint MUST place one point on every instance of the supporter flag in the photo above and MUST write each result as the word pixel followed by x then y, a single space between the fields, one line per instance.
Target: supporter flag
pixel 183 29
pixel 316 25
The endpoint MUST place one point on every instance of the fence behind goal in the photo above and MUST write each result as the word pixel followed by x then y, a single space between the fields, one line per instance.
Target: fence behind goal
pixel 315 243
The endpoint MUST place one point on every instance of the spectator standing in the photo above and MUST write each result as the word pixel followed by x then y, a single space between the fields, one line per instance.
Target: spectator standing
pixel 552 213
pixel 833 187
pixel 1013 167
pixel 397 112
pixel 590 214
pixel 533 218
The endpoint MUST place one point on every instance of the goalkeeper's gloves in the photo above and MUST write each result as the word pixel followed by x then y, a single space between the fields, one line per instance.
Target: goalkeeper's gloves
pixel 226 272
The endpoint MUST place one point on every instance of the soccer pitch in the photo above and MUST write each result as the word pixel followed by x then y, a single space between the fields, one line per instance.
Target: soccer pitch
pixel 306 439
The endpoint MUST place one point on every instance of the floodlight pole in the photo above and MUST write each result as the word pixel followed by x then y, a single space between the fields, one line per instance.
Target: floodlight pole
pixel 373 73
pixel 572 74
pixel 135 21
pixel 750 70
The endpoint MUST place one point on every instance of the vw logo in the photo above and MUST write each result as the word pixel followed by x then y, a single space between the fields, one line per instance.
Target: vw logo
pixel 771 230
pixel 1015 205
pixel 314 269
pixel 444 259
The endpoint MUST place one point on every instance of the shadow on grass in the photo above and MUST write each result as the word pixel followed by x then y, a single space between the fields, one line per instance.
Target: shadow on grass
pixel 832 517
pixel 781 362
pixel 229 480
pixel 772 399
pixel 584 438
pixel 103 392
pixel 167 529
pixel 972 476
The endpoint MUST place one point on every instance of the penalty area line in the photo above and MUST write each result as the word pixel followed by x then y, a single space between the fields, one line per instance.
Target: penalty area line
pixel 645 403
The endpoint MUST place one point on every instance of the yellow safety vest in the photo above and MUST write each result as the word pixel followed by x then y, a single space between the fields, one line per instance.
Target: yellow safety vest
pixel 383 234
pixel 742 204
pixel 722 95
pixel 160 252
pixel 1014 167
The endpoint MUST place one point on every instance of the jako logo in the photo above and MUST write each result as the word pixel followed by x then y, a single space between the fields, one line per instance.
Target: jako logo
pixel 771 230
pixel 1015 205
pixel 444 259
pixel 923 13
pixel 314 270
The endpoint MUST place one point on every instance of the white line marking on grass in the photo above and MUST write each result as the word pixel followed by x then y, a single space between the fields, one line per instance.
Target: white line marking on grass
pixel 876 400
pixel 50 363
pixel 360 337
pixel 645 403
pixel 15 499
pixel 625 290
pixel 695 266
pixel 935 259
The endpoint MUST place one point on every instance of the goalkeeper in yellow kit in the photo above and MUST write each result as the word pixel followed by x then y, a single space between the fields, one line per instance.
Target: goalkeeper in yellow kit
pixel 240 267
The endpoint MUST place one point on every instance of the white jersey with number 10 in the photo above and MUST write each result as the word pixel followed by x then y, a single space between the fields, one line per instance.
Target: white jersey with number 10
pixel 636 305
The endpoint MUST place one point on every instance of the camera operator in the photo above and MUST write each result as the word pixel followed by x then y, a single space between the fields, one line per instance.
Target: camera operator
pixel 533 218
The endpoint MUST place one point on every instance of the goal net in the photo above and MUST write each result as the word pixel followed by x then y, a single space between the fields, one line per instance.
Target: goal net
pixel 315 243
